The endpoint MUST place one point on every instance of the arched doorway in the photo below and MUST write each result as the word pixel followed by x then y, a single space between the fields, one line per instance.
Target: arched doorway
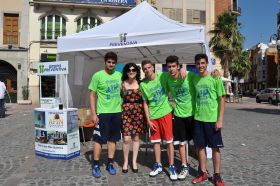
pixel 9 74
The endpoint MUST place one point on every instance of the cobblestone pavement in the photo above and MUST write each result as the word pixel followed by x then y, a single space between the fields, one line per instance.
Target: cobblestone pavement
pixel 250 157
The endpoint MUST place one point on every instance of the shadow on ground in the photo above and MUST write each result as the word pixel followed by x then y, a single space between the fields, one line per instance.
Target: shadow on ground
pixel 275 111
pixel 146 157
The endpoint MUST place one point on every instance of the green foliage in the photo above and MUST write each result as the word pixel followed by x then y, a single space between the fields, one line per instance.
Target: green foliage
pixel 241 65
pixel 227 40
pixel 25 92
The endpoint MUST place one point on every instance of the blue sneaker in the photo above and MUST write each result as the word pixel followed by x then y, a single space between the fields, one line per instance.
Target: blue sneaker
pixel 110 168
pixel 172 172
pixel 96 172
pixel 157 170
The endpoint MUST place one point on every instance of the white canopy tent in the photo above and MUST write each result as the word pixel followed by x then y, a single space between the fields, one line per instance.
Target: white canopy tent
pixel 140 33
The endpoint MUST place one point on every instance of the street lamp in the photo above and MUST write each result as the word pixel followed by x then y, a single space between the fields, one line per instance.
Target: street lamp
pixel 275 42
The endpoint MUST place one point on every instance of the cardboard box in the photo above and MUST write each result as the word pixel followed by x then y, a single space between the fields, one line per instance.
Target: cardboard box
pixel 84 116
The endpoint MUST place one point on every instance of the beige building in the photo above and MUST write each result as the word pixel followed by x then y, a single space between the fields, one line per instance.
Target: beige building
pixel 51 19
pixel 197 12
pixel 14 47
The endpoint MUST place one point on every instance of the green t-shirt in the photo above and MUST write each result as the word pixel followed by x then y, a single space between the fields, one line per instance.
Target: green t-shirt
pixel 183 93
pixel 207 90
pixel 107 87
pixel 155 93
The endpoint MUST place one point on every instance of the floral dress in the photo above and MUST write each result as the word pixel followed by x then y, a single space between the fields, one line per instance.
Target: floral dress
pixel 133 118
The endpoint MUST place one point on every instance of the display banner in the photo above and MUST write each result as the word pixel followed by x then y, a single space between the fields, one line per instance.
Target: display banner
pixel 56 133
pixel 112 2
pixel 56 120
pixel 53 68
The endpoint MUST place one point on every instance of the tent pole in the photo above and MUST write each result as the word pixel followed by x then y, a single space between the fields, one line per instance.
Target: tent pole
pixel 152 54
pixel 141 52
pixel 66 88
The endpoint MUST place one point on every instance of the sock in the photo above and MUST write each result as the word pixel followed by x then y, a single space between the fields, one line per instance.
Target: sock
pixel 110 160
pixel 95 162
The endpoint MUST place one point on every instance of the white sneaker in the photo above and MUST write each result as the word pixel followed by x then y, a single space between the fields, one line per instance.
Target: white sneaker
pixel 157 170
pixel 184 172
pixel 172 172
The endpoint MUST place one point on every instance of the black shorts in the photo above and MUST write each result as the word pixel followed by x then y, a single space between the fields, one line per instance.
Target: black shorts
pixel 108 128
pixel 182 130
pixel 205 134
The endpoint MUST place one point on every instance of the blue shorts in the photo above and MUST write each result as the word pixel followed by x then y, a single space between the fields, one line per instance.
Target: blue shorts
pixel 205 134
pixel 108 128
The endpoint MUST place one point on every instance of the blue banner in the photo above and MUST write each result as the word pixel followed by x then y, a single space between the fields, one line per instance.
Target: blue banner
pixel 111 2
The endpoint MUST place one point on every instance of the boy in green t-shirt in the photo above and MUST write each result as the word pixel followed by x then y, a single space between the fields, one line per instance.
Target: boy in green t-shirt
pixel 158 114
pixel 182 91
pixel 209 115
pixel 105 85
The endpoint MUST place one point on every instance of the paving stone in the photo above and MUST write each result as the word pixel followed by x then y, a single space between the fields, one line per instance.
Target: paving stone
pixel 250 156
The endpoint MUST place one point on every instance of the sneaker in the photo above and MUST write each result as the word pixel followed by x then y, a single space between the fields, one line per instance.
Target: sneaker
pixel 217 180
pixel 172 172
pixel 157 170
pixel 184 172
pixel 110 168
pixel 200 178
pixel 96 172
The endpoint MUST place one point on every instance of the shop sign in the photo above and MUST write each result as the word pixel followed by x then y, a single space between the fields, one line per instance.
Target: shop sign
pixel 53 68
pixel 112 2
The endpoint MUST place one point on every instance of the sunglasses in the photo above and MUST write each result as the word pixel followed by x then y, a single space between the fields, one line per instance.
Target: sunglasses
pixel 111 62
pixel 132 70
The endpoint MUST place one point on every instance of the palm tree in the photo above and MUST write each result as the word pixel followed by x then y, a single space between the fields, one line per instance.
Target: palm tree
pixel 227 40
pixel 240 67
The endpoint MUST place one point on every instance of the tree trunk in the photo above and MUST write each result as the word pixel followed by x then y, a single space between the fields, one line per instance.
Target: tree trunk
pixel 226 68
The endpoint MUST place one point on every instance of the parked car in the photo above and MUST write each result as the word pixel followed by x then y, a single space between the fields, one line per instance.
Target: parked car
pixel 255 92
pixel 270 95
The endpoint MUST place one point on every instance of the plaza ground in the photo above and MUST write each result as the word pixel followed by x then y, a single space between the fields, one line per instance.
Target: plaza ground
pixel 250 157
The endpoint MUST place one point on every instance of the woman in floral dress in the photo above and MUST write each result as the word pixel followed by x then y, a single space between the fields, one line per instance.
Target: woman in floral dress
pixel 134 123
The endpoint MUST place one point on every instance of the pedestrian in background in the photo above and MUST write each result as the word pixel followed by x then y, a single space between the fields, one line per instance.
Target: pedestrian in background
pixel 133 120
pixel 2 99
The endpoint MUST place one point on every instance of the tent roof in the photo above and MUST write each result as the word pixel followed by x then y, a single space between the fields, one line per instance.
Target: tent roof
pixel 141 26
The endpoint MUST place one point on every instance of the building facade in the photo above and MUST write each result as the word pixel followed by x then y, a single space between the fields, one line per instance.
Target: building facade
pixel 52 19
pixel 14 16
pixel 197 12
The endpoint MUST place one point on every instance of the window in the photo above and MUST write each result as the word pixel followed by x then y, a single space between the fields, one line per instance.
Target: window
pixel 52 26
pixel 173 13
pixel 85 23
pixel 11 29
pixel 196 16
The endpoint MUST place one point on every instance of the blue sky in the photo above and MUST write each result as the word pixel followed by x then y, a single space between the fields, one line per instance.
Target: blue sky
pixel 258 20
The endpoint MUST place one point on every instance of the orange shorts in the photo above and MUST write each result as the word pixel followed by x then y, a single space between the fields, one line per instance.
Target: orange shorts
pixel 163 129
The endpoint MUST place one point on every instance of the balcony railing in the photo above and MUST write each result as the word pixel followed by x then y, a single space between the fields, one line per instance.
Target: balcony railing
pixel 52 35
pixel 235 9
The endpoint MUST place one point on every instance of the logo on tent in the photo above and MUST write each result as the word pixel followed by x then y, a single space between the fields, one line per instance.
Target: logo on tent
pixel 123 37
pixel 123 41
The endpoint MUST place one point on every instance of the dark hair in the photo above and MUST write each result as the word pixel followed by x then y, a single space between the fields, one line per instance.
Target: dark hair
pixel 145 62
pixel 126 70
pixel 172 59
pixel 201 56
pixel 111 55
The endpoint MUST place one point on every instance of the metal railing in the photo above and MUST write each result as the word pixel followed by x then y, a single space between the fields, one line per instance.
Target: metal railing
pixel 234 8
pixel 51 35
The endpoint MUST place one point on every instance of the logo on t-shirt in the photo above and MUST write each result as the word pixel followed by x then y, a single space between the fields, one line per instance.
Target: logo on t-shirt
pixel 203 95
pixel 112 90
